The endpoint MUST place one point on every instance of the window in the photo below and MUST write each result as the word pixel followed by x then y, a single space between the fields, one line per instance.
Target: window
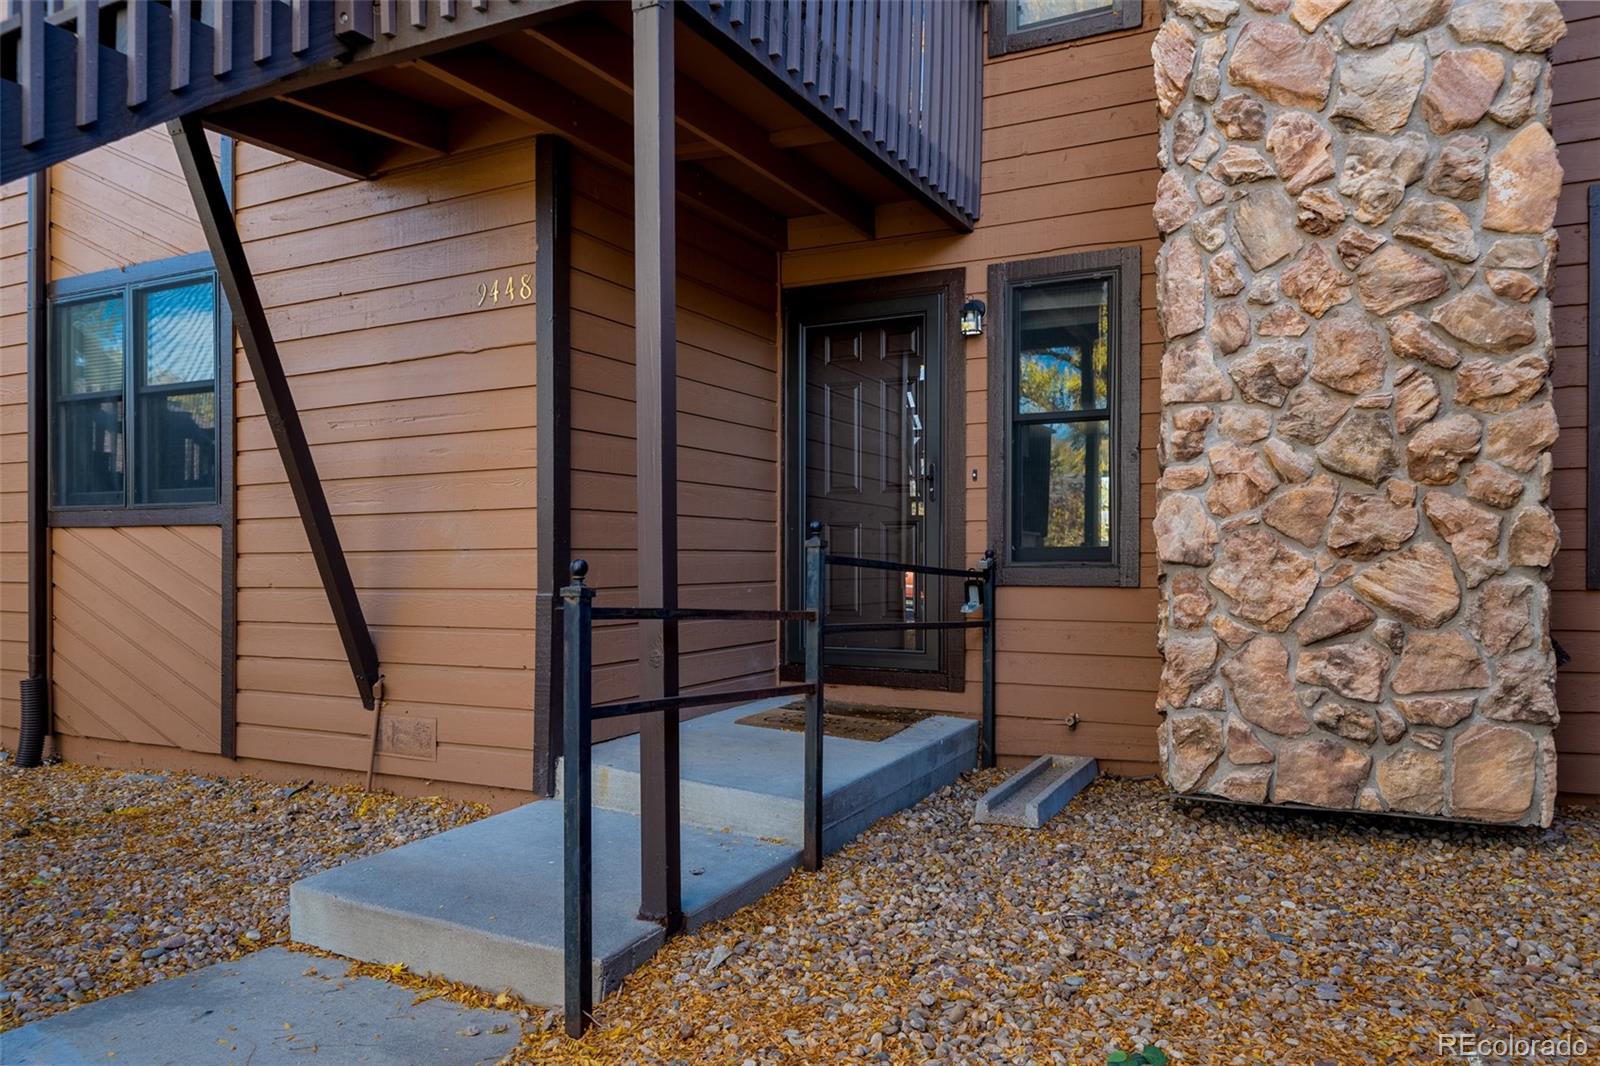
pixel 136 412
pixel 1064 419
pixel 1017 25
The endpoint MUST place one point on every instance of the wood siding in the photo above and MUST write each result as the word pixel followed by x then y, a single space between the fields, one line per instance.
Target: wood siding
pixel 13 453
pixel 137 612
pixel 419 407
pixel 728 468
pixel 1576 621
pixel 1069 165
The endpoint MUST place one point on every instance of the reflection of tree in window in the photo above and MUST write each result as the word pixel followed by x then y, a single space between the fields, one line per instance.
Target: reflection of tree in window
pixel 1061 450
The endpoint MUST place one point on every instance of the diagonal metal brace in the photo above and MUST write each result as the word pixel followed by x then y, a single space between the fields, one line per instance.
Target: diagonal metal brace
pixel 233 272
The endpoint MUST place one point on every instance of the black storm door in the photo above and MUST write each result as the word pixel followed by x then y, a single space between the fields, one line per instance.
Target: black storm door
pixel 866 465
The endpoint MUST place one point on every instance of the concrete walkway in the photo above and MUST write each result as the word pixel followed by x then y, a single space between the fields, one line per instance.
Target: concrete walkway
pixel 482 904
pixel 266 1010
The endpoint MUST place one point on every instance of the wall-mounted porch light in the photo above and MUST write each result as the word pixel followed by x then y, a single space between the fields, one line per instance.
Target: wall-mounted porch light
pixel 972 313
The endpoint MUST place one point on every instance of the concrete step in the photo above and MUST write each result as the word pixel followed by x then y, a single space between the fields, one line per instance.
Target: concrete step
pixel 751 779
pixel 1036 793
pixel 482 904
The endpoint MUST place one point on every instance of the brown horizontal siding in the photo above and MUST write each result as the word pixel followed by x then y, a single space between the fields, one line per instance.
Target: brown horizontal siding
pixel 13 454
pixel 419 406
pixel 727 436
pixel 1575 88
pixel 1069 165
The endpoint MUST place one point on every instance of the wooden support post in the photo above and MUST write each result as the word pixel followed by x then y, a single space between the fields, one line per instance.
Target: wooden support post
pixel 552 272
pixel 656 419
pixel 277 402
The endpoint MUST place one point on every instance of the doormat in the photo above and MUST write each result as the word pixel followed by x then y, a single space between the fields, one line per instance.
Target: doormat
pixel 849 721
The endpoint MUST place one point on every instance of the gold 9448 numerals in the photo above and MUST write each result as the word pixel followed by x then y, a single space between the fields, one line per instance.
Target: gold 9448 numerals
pixel 508 289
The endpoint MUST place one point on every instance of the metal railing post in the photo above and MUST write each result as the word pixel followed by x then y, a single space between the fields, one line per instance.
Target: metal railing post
pixel 578 815
pixel 989 617
pixel 816 598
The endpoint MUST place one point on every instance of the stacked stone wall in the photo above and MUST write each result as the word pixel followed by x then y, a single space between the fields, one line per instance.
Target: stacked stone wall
pixel 1356 207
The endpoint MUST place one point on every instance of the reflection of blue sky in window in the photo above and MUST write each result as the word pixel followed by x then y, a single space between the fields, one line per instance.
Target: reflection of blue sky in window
pixel 92 332
pixel 179 334
pixel 1030 12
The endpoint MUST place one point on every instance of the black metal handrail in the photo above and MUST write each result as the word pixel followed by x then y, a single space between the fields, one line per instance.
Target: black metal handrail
pixel 699 699
pixel 904 568
pixel 580 614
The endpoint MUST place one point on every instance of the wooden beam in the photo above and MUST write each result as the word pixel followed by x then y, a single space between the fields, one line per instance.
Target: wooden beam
pixel 552 272
pixel 289 130
pixel 604 51
pixel 277 402
pixel 799 137
pixel 361 104
pixel 655 301
pixel 529 96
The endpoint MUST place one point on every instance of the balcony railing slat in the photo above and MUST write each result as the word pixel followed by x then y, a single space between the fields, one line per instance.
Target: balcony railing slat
pixel 138 54
pixel 262 50
pixel 808 59
pixel 221 37
pixel 880 72
pixel 181 25
pixel 858 60
pixel 796 16
pixel 88 87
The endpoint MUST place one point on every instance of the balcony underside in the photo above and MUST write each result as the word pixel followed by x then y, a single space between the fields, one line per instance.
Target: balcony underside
pixel 756 145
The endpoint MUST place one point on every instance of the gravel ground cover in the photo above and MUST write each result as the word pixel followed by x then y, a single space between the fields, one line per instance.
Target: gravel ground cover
pixel 1224 935
pixel 114 879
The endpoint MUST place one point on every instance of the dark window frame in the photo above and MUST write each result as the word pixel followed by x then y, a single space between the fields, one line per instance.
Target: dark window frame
pixel 1004 39
pixel 1121 266
pixel 130 283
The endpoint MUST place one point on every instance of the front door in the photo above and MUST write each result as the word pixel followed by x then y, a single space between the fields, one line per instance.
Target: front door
pixel 866 465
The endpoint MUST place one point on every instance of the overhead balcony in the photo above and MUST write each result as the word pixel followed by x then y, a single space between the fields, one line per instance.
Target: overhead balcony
pixel 785 108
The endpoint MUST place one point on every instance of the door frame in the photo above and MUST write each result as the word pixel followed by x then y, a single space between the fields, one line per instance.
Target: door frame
pixel 948 290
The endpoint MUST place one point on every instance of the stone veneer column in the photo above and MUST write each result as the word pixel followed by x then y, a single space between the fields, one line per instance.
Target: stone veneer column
pixel 1356 410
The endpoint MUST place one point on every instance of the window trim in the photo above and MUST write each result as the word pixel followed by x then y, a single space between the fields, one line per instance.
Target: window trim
pixel 152 274
pixel 1124 15
pixel 1122 570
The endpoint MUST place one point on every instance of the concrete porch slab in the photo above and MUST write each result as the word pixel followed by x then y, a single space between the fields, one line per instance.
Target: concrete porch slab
pixel 483 903
pixel 234 1013
pixel 751 779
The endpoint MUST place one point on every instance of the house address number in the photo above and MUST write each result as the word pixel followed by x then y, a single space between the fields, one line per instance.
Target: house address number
pixel 512 288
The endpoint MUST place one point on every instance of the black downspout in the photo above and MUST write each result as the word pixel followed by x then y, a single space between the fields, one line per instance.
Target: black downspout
pixel 34 722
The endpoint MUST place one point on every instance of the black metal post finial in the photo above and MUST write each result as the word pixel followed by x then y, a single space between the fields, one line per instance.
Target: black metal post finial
pixel 579 570
pixel 814 528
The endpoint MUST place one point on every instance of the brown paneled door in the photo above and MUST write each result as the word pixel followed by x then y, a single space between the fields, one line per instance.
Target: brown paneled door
pixel 867 467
